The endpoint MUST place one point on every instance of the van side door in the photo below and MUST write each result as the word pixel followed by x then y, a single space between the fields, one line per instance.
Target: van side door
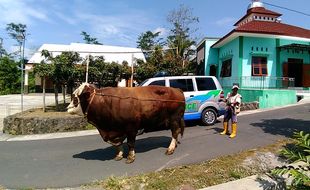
pixel 188 88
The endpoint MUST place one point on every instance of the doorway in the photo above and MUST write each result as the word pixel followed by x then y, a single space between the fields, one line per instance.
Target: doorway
pixel 295 70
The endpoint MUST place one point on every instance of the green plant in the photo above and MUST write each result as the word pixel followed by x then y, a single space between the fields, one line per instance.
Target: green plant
pixel 90 127
pixel 300 151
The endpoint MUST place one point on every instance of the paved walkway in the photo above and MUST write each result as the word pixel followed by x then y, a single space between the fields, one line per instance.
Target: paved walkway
pixel 11 104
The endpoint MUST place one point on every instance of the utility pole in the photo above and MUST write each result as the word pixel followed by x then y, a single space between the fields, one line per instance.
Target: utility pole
pixel 87 65
pixel 22 54
pixel 131 78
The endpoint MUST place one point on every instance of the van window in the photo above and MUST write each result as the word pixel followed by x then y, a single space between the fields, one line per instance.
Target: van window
pixel 205 84
pixel 158 83
pixel 184 84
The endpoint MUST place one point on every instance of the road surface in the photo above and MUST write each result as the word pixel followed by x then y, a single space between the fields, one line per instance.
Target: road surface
pixel 70 162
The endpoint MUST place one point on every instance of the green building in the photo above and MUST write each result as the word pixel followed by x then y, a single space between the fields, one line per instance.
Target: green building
pixel 262 55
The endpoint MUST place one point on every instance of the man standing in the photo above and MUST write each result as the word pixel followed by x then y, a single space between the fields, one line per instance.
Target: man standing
pixel 233 102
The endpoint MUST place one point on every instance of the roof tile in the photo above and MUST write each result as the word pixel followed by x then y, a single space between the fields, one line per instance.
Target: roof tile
pixel 276 28
pixel 262 10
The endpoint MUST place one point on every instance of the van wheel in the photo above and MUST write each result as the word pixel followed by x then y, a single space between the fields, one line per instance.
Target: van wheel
pixel 208 116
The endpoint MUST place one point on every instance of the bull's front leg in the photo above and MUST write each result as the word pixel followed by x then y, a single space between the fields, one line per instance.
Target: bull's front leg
pixel 116 139
pixel 131 146
pixel 119 152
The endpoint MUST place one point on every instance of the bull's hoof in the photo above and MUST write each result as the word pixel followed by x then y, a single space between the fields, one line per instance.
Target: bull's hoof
pixel 118 158
pixel 130 160
pixel 169 152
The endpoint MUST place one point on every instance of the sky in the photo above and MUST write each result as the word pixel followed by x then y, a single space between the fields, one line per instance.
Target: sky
pixel 120 22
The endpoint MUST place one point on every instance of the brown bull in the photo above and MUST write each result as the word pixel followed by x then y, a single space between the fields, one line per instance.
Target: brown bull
pixel 118 113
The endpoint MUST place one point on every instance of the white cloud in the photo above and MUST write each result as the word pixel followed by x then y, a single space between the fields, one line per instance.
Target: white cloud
pixel 117 27
pixel 227 21
pixel 20 11
pixel 66 18
pixel 163 31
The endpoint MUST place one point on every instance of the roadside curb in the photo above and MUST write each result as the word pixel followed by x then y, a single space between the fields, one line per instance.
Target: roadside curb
pixel 7 137
pixel 248 183
pixel 256 182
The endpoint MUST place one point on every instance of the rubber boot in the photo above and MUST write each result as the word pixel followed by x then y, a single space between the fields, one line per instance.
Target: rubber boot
pixel 234 130
pixel 225 126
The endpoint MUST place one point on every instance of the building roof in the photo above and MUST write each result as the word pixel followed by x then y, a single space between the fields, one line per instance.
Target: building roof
pixel 110 53
pixel 207 38
pixel 258 11
pixel 276 28
pixel 262 10
pixel 261 22
pixel 266 28
pixel 263 28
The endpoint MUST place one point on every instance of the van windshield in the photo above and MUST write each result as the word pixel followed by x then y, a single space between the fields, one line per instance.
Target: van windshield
pixel 141 84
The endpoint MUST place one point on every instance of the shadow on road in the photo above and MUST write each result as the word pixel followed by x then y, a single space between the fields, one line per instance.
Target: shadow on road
pixel 193 123
pixel 142 145
pixel 285 127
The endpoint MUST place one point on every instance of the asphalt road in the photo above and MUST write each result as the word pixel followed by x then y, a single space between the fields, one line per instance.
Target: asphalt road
pixel 70 162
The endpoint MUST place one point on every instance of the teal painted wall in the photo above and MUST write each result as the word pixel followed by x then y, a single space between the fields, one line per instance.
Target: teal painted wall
pixel 211 55
pixel 275 98
pixel 229 51
pixel 267 98
pixel 242 67
pixel 261 47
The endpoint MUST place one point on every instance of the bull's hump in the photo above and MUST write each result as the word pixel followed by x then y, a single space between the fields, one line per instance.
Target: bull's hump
pixel 161 92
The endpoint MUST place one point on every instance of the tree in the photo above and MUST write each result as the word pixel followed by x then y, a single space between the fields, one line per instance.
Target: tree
pixel 175 60
pixel 180 36
pixel 88 39
pixel 44 71
pixel 61 71
pixel 16 31
pixel 106 74
pixel 2 50
pixel 9 76
pixel 148 41
pixel 144 70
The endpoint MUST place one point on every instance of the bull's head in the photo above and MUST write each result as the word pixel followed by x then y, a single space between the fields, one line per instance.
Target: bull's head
pixel 75 106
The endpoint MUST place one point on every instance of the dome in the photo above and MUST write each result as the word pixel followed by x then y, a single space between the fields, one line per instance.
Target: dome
pixel 255 3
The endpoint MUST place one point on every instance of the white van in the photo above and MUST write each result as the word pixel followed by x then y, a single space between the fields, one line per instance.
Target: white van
pixel 202 94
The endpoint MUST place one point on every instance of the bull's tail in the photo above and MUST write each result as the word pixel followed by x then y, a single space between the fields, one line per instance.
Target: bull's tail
pixel 182 126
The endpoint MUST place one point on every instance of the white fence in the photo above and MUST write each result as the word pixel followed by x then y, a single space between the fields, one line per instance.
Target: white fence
pixel 259 82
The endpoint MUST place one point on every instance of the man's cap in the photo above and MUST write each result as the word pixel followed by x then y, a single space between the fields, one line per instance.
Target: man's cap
pixel 235 86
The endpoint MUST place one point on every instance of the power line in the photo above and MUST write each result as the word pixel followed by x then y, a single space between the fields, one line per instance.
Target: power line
pixel 306 14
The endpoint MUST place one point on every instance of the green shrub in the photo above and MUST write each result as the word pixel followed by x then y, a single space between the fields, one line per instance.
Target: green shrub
pixel 300 151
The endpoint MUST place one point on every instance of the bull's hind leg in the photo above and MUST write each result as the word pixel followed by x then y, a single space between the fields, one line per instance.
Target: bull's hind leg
pixel 172 146
pixel 175 132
